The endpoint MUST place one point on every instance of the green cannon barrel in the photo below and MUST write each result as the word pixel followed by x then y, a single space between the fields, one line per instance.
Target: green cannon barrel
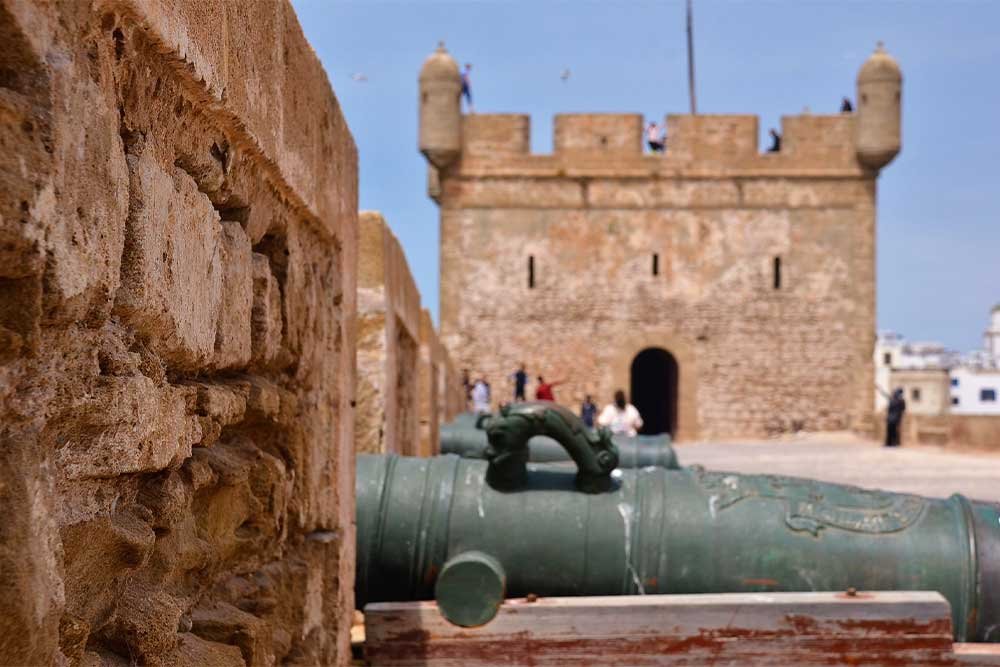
pixel 657 530
pixel 464 438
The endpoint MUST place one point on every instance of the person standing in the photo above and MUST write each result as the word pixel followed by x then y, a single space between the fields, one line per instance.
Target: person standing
pixel 467 87
pixel 467 386
pixel 775 141
pixel 544 391
pixel 520 382
pixel 846 106
pixel 894 417
pixel 654 138
pixel 621 417
pixel 588 411
pixel 481 396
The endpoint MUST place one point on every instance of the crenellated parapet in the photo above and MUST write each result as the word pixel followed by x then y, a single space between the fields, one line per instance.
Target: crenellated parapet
pixel 698 146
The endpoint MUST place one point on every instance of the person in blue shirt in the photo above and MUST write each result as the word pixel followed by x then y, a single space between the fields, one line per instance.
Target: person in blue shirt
pixel 520 381
pixel 588 411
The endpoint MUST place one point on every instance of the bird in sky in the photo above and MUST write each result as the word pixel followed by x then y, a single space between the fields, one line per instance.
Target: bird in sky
pixel 359 77
pixel 565 75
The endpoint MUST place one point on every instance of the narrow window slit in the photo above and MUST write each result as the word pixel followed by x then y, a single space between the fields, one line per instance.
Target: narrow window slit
pixel 531 271
pixel 656 264
pixel 777 273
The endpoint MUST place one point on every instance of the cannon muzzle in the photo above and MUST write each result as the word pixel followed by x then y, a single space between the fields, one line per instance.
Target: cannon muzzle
pixel 443 527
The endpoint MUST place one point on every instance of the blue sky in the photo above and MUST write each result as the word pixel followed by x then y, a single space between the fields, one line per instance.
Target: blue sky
pixel 939 227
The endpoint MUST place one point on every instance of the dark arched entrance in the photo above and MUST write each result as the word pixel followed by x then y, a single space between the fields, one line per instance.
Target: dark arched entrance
pixel 654 390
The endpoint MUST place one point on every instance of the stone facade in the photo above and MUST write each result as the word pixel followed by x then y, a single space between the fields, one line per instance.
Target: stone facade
pixel 178 228
pixel 751 276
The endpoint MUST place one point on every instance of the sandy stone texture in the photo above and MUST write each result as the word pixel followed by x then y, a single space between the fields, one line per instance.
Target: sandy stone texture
pixel 178 249
pixel 406 383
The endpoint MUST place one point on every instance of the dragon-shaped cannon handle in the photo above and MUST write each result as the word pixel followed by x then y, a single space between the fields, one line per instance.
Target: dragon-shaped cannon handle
pixel 593 451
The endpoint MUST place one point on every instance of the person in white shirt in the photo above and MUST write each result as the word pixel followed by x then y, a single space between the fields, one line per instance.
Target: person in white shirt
pixel 621 417
pixel 481 396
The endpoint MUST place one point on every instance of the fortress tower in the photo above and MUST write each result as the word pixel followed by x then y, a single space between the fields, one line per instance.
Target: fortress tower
pixel 730 292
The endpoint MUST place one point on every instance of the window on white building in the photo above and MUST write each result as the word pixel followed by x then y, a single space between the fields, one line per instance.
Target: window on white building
pixel 915 394
pixel 954 400
pixel 887 358
pixel 988 395
pixel 954 382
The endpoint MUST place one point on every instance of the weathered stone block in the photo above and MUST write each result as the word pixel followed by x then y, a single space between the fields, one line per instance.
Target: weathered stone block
pixel 598 134
pixel 232 338
pixel 266 313
pixel 126 425
pixel 172 266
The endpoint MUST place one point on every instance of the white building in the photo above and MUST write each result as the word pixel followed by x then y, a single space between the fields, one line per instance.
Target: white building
pixel 936 380
pixel 920 369
pixel 975 383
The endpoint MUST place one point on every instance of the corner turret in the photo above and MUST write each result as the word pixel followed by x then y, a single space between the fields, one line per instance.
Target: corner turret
pixel 880 84
pixel 440 108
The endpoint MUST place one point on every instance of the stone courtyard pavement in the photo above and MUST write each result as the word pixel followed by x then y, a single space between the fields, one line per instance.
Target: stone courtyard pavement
pixel 844 458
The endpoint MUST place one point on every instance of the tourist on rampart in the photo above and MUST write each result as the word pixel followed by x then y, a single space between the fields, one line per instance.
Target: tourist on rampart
pixel 481 396
pixel 588 411
pixel 621 417
pixel 544 391
pixel 893 418
pixel 846 106
pixel 520 378
pixel 655 138
pixel 467 87
pixel 775 141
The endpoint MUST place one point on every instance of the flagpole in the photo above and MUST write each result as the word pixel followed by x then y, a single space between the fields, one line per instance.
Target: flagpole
pixel 690 39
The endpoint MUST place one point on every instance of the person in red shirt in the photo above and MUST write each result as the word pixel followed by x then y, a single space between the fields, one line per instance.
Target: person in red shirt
pixel 544 390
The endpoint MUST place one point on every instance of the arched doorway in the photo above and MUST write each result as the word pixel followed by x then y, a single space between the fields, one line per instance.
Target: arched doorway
pixel 654 375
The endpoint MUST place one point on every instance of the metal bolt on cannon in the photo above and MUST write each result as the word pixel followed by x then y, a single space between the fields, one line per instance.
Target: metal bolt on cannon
pixel 471 532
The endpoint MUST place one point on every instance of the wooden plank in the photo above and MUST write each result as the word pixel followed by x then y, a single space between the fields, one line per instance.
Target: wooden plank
pixel 980 655
pixel 882 628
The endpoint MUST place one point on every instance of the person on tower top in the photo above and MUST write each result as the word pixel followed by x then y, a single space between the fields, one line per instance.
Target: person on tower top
pixel 467 87
pixel 655 138
pixel 846 106
pixel 775 141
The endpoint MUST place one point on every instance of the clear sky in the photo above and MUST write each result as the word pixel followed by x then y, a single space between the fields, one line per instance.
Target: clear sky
pixel 938 221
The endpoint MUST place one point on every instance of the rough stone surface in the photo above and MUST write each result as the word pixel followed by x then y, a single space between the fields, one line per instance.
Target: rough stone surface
pixel 404 374
pixel 753 359
pixel 388 335
pixel 178 236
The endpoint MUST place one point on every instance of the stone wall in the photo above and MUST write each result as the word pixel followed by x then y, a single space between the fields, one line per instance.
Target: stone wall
pixel 388 342
pixel 713 216
pixel 178 228
pixel 407 385
pixel 972 431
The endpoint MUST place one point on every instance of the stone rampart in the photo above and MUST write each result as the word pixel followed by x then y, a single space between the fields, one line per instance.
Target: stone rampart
pixel 388 343
pixel 177 301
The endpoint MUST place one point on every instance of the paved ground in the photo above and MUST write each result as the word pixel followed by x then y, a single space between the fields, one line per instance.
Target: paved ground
pixel 838 457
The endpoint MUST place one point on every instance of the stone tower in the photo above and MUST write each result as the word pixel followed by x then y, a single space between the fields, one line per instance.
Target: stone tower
pixel 440 109
pixel 730 292
pixel 880 87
